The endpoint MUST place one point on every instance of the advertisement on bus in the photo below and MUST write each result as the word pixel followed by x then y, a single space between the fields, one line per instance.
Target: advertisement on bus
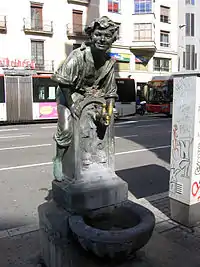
pixel 44 111
pixel 48 110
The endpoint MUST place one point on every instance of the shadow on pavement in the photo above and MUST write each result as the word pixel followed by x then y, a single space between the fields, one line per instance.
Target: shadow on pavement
pixel 8 223
pixel 145 181
pixel 148 180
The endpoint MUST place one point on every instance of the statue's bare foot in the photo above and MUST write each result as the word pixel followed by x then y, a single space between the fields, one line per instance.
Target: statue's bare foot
pixel 57 169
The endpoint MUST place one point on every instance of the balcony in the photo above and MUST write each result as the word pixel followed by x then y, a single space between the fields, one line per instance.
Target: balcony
pixel 147 45
pixel 46 67
pixel 38 27
pixel 79 2
pixel 3 26
pixel 76 31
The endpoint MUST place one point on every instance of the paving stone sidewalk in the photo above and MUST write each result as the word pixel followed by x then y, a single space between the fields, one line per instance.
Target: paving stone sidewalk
pixel 171 245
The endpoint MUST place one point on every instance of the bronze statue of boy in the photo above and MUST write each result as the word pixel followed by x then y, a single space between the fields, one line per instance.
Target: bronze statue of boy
pixel 87 71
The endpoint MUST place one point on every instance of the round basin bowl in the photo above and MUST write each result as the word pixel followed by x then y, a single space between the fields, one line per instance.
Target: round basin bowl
pixel 115 235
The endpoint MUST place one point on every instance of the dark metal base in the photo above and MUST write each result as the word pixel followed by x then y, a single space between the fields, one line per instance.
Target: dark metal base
pixel 185 214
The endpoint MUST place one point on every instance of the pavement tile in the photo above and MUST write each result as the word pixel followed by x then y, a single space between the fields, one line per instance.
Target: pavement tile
pixel 161 251
pixel 22 230
pixel 165 226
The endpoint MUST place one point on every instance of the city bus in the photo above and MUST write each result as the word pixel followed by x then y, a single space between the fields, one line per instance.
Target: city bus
pixel 29 98
pixel 159 95
pixel 126 103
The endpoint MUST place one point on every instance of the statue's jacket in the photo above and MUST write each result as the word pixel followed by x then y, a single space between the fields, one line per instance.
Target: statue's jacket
pixel 78 76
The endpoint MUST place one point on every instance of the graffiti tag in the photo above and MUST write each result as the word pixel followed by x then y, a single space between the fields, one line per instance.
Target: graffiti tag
pixel 195 189
pixel 197 169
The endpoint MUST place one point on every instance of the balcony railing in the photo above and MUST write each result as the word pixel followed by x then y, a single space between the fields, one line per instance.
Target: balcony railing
pixel 46 66
pixel 3 26
pixel 38 27
pixel 82 2
pixel 76 31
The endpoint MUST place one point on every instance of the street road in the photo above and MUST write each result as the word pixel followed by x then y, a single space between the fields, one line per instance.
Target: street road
pixel 26 152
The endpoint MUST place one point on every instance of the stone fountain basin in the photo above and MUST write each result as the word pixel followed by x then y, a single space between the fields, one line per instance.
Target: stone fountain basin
pixel 117 234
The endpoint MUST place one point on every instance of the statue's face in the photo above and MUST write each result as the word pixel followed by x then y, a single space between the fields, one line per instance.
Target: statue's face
pixel 102 39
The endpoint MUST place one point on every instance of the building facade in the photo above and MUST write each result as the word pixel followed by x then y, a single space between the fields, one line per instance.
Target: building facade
pixel 188 36
pixel 40 34
pixel 148 35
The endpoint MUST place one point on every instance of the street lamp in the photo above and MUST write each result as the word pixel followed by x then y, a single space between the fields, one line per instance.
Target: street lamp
pixel 181 26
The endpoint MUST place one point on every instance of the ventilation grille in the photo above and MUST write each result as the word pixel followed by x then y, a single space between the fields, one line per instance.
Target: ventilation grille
pixel 179 188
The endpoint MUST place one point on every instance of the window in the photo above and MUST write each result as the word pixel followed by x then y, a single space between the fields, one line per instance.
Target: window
pixel 183 59
pixel 44 90
pixel 164 39
pixel 190 2
pixel 77 21
pixel 114 6
pixel 164 14
pixel 190 58
pixel 36 16
pixel 141 66
pixel 2 90
pixel 143 6
pixel 37 54
pixel 161 64
pixel 143 32
pixel 122 66
pixel 189 21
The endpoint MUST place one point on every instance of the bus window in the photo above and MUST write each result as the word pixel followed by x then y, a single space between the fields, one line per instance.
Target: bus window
pixel 126 90
pixel 41 92
pixel 51 93
pixel 2 90
pixel 44 89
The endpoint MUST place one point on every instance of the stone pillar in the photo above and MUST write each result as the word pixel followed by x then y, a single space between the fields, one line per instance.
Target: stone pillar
pixel 88 166
pixel 184 187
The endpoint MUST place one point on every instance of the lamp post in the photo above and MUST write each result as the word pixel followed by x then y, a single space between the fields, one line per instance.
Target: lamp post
pixel 181 26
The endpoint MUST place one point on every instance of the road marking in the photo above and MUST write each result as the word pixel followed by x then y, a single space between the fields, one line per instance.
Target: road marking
pixel 9 130
pixel 126 136
pixel 148 125
pixel 142 150
pixel 14 136
pixel 50 162
pixel 26 166
pixel 125 122
pixel 48 127
pixel 23 147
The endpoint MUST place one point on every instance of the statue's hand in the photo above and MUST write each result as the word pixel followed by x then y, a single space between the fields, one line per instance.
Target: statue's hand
pixel 75 110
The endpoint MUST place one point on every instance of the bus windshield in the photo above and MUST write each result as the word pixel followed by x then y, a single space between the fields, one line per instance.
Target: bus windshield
pixel 126 90
pixel 160 92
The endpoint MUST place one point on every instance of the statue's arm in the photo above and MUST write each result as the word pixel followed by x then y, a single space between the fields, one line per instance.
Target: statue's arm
pixel 67 76
pixel 111 86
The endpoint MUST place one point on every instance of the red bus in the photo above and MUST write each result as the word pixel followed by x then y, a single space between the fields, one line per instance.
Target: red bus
pixel 159 95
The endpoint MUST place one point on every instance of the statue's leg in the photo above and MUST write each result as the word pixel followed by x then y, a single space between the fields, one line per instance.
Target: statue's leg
pixel 63 138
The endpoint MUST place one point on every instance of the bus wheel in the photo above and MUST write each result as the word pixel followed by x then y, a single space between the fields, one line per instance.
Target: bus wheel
pixel 169 115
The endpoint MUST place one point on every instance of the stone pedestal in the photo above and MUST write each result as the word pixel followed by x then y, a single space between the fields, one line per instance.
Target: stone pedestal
pixel 184 189
pixel 91 193
pixel 87 195
pixel 62 248
pixel 88 165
